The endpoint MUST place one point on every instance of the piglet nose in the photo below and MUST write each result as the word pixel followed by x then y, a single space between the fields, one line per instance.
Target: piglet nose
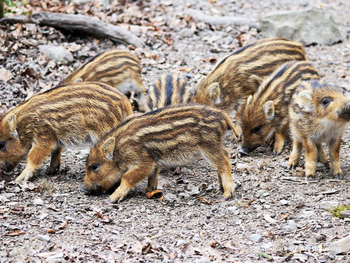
pixel 243 150
pixel 84 190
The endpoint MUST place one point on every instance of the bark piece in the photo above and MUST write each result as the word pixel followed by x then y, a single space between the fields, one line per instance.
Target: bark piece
pixel 89 25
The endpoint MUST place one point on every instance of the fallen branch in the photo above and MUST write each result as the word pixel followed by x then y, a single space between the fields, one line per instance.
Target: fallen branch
pixel 221 20
pixel 87 24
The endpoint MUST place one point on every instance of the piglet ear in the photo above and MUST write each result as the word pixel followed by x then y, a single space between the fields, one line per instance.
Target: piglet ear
pixel 3 110
pixel 249 99
pixel 305 96
pixel 78 80
pixel 10 124
pixel 108 148
pixel 214 91
pixel 269 110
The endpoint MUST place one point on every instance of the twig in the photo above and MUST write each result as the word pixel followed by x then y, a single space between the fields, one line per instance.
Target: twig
pixel 95 27
pixel 311 255
pixel 156 236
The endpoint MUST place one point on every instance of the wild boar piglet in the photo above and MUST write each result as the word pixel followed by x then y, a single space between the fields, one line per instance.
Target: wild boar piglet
pixel 238 75
pixel 266 114
pixel 67 116
pixel 318 114
pixel 169 136
pixel 116 68
pixel 169 89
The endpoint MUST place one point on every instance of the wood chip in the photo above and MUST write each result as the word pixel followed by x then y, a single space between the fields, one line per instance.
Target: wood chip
pixel 204 200
pixel 15 233
pixel 63 225
pixel 269 219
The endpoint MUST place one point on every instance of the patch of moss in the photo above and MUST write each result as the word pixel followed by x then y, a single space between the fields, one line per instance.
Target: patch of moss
pixel 336 210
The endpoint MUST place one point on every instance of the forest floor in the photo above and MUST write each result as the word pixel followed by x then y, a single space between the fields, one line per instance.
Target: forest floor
pixel 275 214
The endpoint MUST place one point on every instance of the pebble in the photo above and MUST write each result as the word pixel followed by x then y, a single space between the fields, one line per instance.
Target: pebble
pixel 44 238
pixel 292 225
pixel 242 166
pixel 328 205
pixel 255 237
pixel 38 201
pixel 284 202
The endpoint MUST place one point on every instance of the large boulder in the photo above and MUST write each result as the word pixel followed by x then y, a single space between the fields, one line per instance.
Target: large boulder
pixel 306 26
pixel 58 54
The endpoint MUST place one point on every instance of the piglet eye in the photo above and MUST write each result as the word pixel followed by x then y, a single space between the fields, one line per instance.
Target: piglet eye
pixel 256 129
pixel 2 146
pixel 326 101
pixel 94 167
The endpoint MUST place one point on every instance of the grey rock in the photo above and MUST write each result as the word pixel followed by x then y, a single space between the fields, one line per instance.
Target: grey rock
pixel 292 225
pixel 306 26
pixel 242 166
pixel 44 238
pixel 284 202
pixel 328 205
pixel 345 213
pixel 38 201
pixel 58 54
pixel 341 246
pixel 255 237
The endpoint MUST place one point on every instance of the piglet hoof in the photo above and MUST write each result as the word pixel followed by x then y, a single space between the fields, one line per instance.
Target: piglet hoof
pixel 223 199
pixel 339 176
pixel 156 194
pixel 276 154
pixel 177 171
pixel 109 201
pixel 84 190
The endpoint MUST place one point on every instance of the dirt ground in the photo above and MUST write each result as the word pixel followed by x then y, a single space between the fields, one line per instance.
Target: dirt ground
pixel 275 215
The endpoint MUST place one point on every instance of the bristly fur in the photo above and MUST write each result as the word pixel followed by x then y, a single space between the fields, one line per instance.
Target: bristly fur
pixel 72 115
pixel 240 74
pixel 266 113
pixel 169 136
pixel 167 90
pixel 318 114
pixel 117 68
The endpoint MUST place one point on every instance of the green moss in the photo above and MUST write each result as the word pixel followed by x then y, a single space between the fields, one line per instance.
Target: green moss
pixel 336 210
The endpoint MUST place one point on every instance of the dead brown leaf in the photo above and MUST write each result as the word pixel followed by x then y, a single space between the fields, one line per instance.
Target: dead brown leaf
pixel 154 194
pixel 204 200
pixel 15 233
pixel 5 75
pixel 186 69
pixel 64 224
pixel 283 216
pixel 212 60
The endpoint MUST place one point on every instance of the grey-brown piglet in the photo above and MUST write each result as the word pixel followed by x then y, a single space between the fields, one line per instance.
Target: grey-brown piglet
pixel 169 136
pixel 64 117
pixel 319 113
pixel 169 89
pixel 265 115
pixel 116 68
pixel 238 75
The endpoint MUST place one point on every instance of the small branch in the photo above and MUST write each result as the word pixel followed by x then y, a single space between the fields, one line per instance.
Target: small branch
pixel 87 24
pixel 222 20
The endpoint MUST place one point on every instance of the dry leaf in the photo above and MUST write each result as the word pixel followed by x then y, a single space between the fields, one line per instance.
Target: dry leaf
pixel 186 69
pixel 212 60
pixel 269 219
pixel 99 215
pixel 5 75
pixel 15 233
pixel 282 216
pixel 63 225
pixel 154 194
pixel 204 200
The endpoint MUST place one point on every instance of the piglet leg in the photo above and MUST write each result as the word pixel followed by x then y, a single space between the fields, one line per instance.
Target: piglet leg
pixel 136 174
pixel 35 158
